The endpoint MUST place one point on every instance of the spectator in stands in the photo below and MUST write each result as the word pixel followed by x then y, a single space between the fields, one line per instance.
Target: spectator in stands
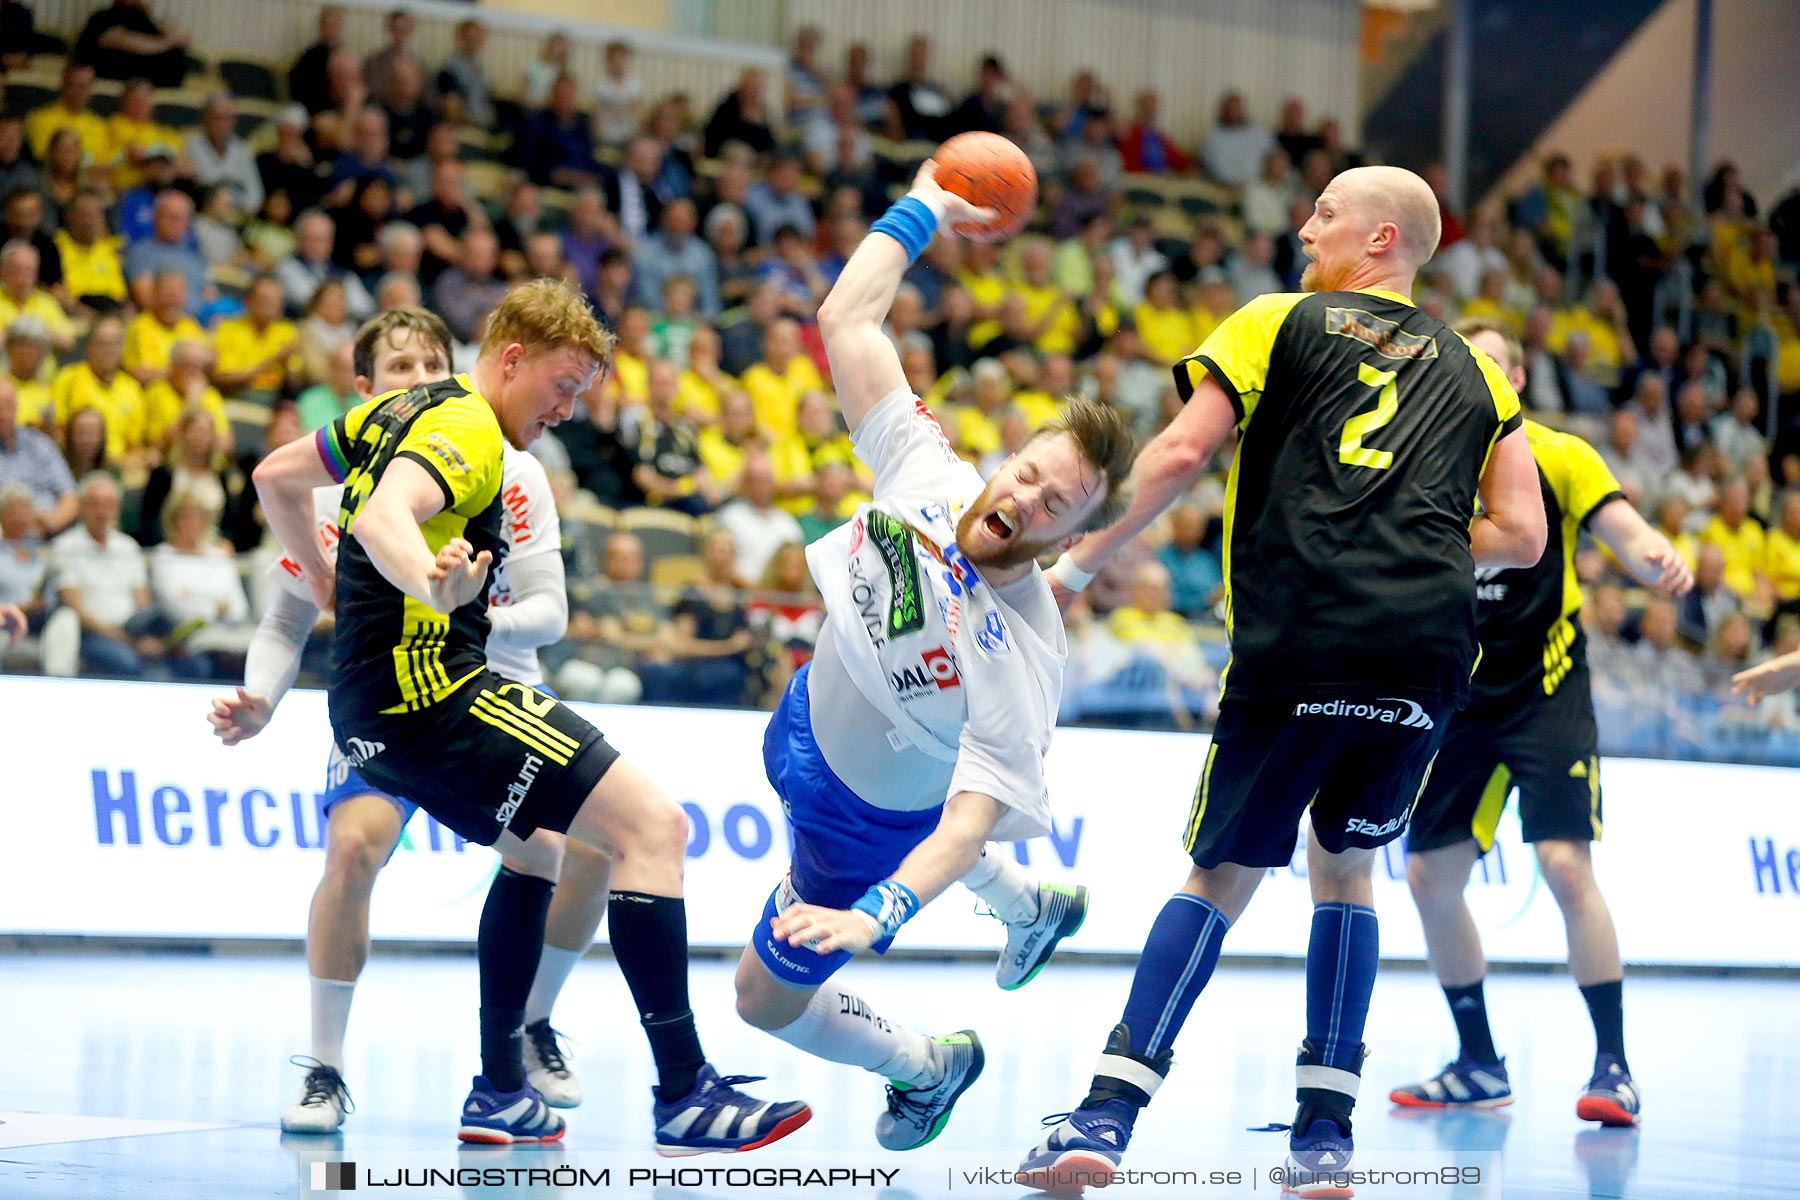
pixel 632 190
pixel 1250 270
pixel 307 82
pixel 367 157
pixel 1195 577
pixel 19 37
pixel 408 109
pixel 1145 147
pixel 591 231
pixel 396 289
pixel 665 448
pixel 1582 392
pixel 1471 258
pixel 170 247
pixel 194 468
pixel 1554 211
pixel 28 368
pixel 25 222
pixel 24 557
pixel 83 438
pixel 727 230
pixel 832 136
pixel 621 632
pixel 921 107
pixel 1781 552
pixel 676 252
pixel 703 382
pixel 17 170
pixel 20 296
pixel 777 202
pixel 220 156
pixel 311 266
pixel 1692 417
pixel 462 83
pixel 677 322
pixel 776 383
pixel 124 39
pixel 98 382
pixel 195 592
pixel 711 633
pixel 1135 259
pixel 1739 537
pixel 872 101
pixel 444 217
pixel 255 351
pixel 984 109
pixel 323 331
pixel 726 446
pixel 1692 483
pixel 379 68
pixel 360 221
pixel 742 116
pixel 618 97
pixel 1712 599
pixel 464 294
pixel 70 110
pixel 834 500
pixel 542 72
pixel 1661 660
pixel 189 385
pixel 1291 131
pixel 1266 198
pixel 289 167
pixel 100 574
pixel 30 461
pixel 1236 145
pixel 1656 429
pixel 153 333
pixel 334 395
pixel 131 131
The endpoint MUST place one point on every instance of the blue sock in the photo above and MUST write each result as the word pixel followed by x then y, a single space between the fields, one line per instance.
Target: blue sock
pixel 1340 975
pixel 1178 959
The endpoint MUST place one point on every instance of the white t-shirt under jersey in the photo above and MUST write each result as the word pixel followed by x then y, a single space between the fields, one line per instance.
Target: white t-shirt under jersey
pixel 528 522
pixel 927 680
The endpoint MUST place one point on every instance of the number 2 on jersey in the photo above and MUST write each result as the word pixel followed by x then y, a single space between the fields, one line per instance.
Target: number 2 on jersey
pixel 1387 407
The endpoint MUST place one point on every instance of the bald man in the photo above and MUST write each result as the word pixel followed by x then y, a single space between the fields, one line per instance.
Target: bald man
pixel 1365 431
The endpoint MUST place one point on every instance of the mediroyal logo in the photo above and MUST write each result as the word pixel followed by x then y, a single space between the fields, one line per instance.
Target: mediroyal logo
pixel 1409 713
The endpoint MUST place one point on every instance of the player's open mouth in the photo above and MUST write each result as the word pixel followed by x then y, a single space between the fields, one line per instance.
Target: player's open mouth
pixel 998 527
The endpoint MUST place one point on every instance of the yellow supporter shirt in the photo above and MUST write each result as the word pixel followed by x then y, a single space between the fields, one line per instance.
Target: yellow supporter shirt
pixel 723 459
pixel 776 397
pixel 631 376
pixel 123 133
pixel 796 456
pixel 121 402
pixel 989 292
pixel 149 343
pixel 1168 334
pixel 1038 406
pixel 163 406
pixel 1130 624
pixel 1781 563
pixel 1743 549
pixel 1503 315
pixel 43 306
pixel 41 126
pixel 238 346
pixel 696 399
pixel 34 400
pixel 95 270
pixel 976 432
pixel 1059 335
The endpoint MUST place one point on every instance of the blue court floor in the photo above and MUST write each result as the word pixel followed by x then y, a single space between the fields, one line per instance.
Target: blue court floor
pixel 138 1076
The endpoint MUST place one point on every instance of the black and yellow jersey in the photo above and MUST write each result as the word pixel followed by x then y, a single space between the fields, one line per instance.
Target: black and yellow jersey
pixel 1364 426
pixel 1528 618
pixel 390 653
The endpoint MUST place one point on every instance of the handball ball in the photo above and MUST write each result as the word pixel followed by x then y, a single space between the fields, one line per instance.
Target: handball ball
pixel 988 170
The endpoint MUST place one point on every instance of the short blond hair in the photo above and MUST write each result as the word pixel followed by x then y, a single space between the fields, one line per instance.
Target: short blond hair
pixel 546 315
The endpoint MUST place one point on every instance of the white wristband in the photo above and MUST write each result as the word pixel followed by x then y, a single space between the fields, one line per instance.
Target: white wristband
pixel 1066 572
pixel 932 200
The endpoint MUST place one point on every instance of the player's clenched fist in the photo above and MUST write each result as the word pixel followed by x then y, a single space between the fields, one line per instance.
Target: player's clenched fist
pixel 457 575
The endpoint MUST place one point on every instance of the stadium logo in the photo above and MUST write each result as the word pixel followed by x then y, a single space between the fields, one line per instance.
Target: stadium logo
pixel 1410 713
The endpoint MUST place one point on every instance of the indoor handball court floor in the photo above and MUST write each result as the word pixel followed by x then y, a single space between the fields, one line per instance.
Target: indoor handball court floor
pixel 139 1076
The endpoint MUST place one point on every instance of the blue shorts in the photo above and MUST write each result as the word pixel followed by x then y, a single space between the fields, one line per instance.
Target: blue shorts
pixel 343 781
pixel 842 844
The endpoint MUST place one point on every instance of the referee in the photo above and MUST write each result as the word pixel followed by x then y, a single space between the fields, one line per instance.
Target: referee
pixel 1365 430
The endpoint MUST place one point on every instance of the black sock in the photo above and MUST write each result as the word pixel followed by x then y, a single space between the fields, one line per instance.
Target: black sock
pixel 507 949
pixel 649 940
pixel 1606 1004
pixel 1468 1008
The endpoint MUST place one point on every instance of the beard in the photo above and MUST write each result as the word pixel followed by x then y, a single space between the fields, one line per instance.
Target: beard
pixel 1309 278
pixel 974 538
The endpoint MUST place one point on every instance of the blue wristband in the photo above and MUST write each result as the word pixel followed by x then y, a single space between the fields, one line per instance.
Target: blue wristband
pixel 910 222
pixel 890 904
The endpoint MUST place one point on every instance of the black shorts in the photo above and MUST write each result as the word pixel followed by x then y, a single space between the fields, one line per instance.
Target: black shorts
pixel 1547 747
pixel 493 755
pixel 1357 763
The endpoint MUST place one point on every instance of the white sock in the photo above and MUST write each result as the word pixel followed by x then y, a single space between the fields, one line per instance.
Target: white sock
pixel 330 1017
pixel 1003 885
pixel 552 972
pixel 839 1026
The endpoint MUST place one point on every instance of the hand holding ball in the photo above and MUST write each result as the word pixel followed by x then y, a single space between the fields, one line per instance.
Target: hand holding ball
pixel 989 172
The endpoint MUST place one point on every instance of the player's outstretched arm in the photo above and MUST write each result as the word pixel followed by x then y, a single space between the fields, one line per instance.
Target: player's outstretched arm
pixel 864 365
pixel 967 822
pixel 388 530
pixel 1164 469
pixel 1647 554
pixel 1779 674
pixel 270 666
pixel 284 486
pixel 1510 530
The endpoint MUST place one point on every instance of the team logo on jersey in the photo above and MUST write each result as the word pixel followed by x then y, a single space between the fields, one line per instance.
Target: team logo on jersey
pixel 935 672
pixel 446 452
pixel 518 789
pixel 906 601
pixel 991 637
pixel 1388 711
pixel 856 535
pixel 1385 337
pixel 518 508
pixel 358 751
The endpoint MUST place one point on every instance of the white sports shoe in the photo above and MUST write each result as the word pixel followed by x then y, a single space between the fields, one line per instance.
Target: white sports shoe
pixel 324 1101
pixel 1061 910
pixel 547 1070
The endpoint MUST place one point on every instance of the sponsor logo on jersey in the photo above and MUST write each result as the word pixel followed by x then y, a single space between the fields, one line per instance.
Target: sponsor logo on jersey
pixel 1385 337
pixel 1371 829
pixel 518 508
pixel 1490 591
pixel 935 672
pixel 518 789
pixel 868 604
pixel 856 535
pixel 1388 711
pixel 924 413
pixel 906 599
pixel 950 609
pixel 446 453
pixel 358 751
pixel 991 637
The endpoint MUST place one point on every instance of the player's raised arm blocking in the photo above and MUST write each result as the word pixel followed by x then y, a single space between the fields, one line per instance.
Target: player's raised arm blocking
pixel 1510 530
pixel 284 486
pixel 864 365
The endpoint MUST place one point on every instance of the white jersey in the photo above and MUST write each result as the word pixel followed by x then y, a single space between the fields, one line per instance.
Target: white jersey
pixel 934 681
pixel 529 524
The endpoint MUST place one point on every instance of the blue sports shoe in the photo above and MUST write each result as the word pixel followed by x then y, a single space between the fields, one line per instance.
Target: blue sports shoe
pixel 1317 1160
pixel 499 1118
pixel 1610 1097
pixel 716 1118
pixel 1464 1083
pixel 1082 1151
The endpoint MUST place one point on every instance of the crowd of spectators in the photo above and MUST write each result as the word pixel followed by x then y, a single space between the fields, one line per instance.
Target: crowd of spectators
pixel 178 291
